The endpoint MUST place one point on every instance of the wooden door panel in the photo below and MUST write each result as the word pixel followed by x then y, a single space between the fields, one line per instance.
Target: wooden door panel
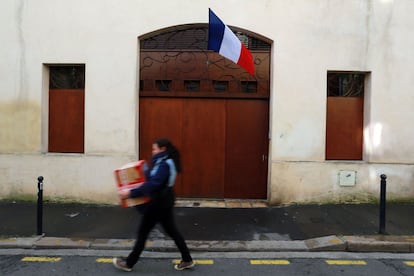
pixel 203 141
pixel 246 149
pixel 344 128
pixel 159 117
pixel 222 143
pixel 66 120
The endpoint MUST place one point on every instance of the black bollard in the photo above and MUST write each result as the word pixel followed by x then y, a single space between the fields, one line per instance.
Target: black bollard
pixel 383 203
pixel 39 205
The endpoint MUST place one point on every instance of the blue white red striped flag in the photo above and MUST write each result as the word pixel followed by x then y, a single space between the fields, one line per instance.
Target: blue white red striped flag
pixel 222 40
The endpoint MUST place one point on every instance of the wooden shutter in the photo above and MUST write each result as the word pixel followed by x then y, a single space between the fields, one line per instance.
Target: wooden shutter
pixel 344 128
pixel 66 120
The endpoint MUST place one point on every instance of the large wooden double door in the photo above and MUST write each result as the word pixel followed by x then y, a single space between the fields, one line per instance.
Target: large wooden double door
pixel 223 143
pixel 212 109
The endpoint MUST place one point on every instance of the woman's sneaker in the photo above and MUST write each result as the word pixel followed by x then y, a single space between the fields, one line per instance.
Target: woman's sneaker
pixel 121 264
pixel 184 265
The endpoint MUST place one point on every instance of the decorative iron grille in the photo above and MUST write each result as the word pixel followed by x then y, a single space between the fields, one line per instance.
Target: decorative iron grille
pixel 346 84
pixel 195 38
pixel 67 77
pixel 180 54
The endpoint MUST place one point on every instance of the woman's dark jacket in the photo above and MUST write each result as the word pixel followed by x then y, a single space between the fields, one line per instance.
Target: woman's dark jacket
pixel 159 182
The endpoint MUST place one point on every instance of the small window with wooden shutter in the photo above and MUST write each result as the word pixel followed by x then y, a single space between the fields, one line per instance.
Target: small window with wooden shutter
pixel 66 108
pixel 344 116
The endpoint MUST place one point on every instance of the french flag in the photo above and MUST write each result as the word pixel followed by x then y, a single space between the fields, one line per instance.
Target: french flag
pixel 222 40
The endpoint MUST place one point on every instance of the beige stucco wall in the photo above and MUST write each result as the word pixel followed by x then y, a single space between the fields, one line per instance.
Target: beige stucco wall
pixel 319 182
pixel 309 39
pixel 70 177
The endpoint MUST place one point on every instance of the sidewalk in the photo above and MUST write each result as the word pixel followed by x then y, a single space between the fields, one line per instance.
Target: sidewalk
pixel 213 227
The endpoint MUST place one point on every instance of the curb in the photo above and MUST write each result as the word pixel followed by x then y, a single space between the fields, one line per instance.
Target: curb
pixel 395 244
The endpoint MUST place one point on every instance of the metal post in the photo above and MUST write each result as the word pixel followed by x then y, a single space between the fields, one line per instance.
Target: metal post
pixel 383 203
pixel 39 205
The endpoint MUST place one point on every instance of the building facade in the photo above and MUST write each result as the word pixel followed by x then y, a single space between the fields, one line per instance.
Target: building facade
pixel 86 86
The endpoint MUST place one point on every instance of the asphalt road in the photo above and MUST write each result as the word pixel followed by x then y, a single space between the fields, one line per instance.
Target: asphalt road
pixel 54 263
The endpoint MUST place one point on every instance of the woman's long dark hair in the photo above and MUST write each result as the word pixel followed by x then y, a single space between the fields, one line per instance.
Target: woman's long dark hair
pixel 172 151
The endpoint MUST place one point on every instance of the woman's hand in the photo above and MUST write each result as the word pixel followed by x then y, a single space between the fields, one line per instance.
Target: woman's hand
pixel 124 193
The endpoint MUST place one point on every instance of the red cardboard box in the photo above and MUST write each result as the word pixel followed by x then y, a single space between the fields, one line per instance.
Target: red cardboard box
pixel 130 176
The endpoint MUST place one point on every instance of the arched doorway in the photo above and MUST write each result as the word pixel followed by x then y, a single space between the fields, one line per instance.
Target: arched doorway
pixel 214 111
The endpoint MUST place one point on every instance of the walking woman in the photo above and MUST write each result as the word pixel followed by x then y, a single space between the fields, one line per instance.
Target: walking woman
pixel 159 187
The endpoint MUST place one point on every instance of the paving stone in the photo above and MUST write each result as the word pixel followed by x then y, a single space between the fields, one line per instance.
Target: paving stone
pixel 376 244
pixel 331 243
pixel 18 242
pixel 52 242
pixel 115 244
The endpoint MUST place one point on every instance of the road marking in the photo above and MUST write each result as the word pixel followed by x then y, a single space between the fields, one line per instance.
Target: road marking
pixel 41 259
pixel 345 262
pixel 409 263
pixel 200 262
pixel 269 262
pixel 104 260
